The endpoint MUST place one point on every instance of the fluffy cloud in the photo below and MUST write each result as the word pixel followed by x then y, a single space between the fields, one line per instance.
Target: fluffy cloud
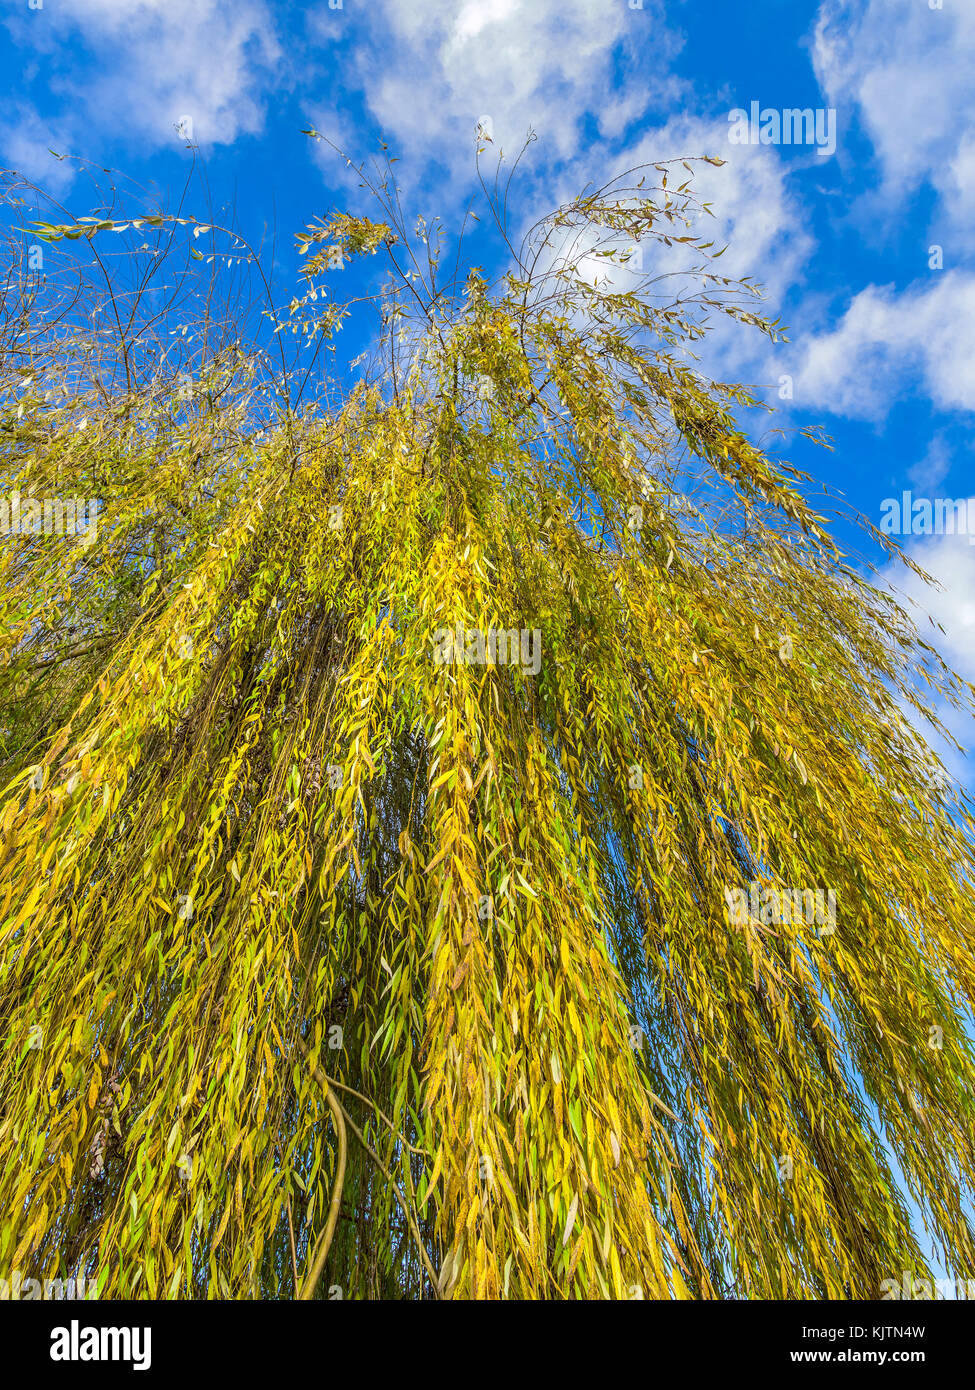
pixel 157 62
pixel 932 470
pixel 27 145
pixel 430 70
pixel 753 212
pixel 950 561
pixel 907 69
pixel 887 343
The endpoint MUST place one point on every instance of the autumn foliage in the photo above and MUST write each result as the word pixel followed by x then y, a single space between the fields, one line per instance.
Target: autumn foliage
pixel 328 965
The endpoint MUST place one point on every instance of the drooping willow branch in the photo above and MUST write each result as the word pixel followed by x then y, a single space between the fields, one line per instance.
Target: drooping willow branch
pixel 325 1239
pixel 345 1117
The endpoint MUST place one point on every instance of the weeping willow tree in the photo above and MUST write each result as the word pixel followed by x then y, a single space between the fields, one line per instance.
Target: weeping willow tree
pixel 413 804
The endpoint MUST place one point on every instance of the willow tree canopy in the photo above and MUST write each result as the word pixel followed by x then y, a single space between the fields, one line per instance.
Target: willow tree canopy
pixel 338 956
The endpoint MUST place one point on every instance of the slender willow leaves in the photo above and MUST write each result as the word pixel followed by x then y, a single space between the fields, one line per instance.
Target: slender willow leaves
pixel 268 859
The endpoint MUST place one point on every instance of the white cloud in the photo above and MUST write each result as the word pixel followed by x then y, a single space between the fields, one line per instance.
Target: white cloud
pixel 27 144
pixel 950 561
pixel 430 70
pixel 752 210
pixel 932 470
pixel 132 69
pixel 888 343
pixel 755 214
pixel 908 70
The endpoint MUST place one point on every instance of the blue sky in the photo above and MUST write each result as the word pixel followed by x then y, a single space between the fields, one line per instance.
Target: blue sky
pixel 882 343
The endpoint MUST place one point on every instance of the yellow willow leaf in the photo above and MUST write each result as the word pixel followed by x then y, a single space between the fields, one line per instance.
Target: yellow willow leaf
pixel 218 1237
pixel 570 1219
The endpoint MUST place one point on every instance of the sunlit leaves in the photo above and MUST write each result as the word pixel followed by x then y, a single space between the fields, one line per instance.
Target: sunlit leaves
pixel 251 815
